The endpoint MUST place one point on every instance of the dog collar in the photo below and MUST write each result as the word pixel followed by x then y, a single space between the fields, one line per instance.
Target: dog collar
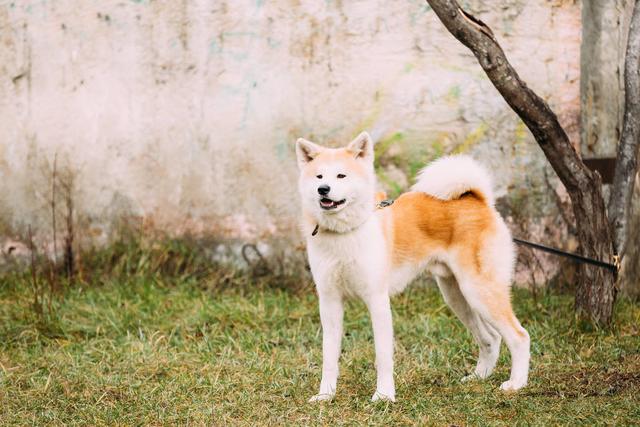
pixel 384 203
pixel 379 205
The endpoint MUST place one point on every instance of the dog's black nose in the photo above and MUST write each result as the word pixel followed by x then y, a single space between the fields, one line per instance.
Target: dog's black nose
pixel 324 189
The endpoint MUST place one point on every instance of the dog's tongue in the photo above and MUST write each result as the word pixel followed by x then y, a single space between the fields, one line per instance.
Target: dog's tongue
pixel 327 202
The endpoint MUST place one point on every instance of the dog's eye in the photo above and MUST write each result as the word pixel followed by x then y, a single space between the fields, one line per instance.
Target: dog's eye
pixel 340 175
pixel 319 176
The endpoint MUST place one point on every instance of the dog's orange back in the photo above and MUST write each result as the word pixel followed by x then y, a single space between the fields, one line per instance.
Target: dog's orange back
pixel 419 225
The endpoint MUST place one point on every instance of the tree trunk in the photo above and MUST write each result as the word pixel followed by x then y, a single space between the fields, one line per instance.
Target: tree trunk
pixel 596 288
pixel 596 291
pixel 627 157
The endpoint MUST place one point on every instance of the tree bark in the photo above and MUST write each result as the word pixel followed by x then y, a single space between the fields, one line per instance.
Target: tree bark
pixel 627 156
pixel 596 290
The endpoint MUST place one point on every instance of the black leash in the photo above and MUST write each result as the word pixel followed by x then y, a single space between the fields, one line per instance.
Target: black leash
pixel 612 267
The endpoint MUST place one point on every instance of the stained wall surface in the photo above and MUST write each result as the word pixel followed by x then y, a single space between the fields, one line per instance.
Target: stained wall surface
pixel 183 114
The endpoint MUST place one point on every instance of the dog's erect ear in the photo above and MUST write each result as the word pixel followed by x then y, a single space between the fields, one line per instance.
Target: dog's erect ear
pixel 306 151
pixel 361 146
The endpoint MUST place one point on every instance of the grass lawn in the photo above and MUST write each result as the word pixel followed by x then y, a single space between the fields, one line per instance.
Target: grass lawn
pixel 154 350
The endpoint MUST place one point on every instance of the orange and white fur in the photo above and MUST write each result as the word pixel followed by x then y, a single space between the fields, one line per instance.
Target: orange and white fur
pixel 446 225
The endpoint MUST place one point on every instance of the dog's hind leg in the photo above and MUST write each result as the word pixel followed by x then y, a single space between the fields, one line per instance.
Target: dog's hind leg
pixel 491 301
pixel 486 337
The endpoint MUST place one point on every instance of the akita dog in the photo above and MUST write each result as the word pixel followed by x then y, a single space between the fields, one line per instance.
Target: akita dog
pixel 446 225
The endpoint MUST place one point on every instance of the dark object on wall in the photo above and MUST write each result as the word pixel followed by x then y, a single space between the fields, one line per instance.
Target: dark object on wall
pixel 605 166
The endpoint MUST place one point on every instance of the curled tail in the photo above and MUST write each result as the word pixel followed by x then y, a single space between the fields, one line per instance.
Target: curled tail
pixel 450 177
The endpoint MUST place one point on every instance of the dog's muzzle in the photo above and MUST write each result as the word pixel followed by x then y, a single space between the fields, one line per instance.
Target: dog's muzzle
pixel 328 204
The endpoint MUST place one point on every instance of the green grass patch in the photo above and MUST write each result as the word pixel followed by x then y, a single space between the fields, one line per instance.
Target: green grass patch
pixel 177 349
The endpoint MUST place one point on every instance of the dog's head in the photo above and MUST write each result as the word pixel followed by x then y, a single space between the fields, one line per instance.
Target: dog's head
pixel 337 185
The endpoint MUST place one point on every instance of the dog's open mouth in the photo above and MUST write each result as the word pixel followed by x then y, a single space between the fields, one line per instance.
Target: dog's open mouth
pixel 328 204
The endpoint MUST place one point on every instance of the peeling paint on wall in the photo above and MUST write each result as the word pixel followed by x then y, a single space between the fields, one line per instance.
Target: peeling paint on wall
pixel 184 113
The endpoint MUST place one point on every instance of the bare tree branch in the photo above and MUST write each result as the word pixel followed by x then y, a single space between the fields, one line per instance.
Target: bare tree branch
pixel 627 157
pixel 53 206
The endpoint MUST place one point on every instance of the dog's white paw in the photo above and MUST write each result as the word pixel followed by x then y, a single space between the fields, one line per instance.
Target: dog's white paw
pixel 378 396
pixel 321 397
pixel 512 385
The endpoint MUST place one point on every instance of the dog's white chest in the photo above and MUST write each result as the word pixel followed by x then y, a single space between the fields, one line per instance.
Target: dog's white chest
pixel 350 263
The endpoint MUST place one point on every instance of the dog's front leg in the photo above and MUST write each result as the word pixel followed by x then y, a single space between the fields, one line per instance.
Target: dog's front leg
pixel 380 310
pixel 331 313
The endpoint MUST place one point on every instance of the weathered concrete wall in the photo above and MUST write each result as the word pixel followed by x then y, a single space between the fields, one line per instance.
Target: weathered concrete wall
pixel 604 33
pixel 184 113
